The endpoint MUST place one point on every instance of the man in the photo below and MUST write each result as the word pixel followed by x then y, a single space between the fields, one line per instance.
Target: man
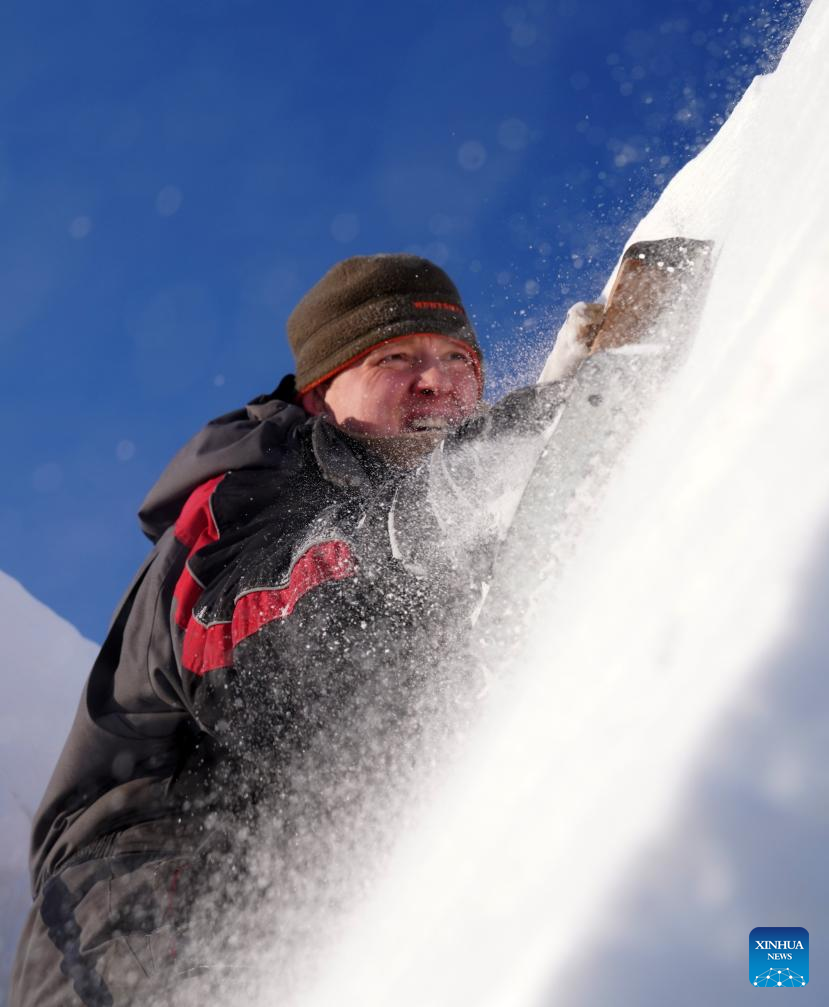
pixel 300 592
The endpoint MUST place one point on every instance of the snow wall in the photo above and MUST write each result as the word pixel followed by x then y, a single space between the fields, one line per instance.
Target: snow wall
pixel 651 785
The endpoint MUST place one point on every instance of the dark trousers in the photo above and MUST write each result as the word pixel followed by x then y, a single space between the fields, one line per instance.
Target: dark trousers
pixel 116 930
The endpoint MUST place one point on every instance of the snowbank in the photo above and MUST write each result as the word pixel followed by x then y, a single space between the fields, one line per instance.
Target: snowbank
pixel 45 661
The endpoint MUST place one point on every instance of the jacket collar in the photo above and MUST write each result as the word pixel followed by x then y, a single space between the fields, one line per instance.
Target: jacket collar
pixel 344 460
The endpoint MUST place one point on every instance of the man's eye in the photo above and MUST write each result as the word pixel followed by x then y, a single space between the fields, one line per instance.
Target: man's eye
pixel 460 355
pixel 392 358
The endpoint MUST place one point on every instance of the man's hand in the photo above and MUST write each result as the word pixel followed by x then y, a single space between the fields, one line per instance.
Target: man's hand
pixel 574 340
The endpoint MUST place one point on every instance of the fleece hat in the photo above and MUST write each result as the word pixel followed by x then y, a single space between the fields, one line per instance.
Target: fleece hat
pixel 371 299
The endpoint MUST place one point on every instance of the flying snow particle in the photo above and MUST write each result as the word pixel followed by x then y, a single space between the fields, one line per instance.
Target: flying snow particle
pixel 168 201
pixel 80 227
pixel 471 155
pixel 513 15
pixel 437 252
pixel 47 478
pixel 513 134
pixel 125 451
pixel 524 35
pixel 345 227
pixel 625 154
pixel 441 224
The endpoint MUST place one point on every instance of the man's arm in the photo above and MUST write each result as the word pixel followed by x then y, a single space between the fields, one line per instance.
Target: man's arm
pixel 283 646
pixel 574 341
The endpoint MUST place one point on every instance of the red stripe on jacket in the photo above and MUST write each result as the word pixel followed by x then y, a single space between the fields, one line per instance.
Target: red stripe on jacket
pixel 207 648
pixel 195 529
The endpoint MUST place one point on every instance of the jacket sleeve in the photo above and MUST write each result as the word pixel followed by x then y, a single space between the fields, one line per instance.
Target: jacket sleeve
pixel 257 636
pixel 463 496
pixel 299 628
pixel 522 413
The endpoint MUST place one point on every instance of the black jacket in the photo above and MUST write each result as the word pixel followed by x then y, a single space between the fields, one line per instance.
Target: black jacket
pixel 291 573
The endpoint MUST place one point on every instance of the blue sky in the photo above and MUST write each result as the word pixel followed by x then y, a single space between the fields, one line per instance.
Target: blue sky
pixel 173 176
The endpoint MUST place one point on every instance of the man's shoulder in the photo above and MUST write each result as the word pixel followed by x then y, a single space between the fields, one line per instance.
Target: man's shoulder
pixel 244 495
pixel 266 434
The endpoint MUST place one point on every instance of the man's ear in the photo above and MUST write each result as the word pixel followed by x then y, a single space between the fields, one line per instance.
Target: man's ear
pixel 313 401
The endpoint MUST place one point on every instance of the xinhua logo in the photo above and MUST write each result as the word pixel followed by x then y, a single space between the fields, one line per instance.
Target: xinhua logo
pixel 778 956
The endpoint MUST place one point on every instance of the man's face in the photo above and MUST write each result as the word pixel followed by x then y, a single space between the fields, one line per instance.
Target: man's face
pixel 409 384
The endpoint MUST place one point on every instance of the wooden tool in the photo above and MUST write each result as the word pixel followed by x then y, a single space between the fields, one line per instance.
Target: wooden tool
pixel 658 290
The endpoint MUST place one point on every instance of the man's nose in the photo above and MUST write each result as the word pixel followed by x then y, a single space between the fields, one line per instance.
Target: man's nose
pixel 433 378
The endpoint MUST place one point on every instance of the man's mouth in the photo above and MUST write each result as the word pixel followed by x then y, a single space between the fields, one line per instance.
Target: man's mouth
pixel 419 423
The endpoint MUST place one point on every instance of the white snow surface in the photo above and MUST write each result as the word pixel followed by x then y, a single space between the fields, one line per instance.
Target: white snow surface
pixel 45 662
pixel 649 783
